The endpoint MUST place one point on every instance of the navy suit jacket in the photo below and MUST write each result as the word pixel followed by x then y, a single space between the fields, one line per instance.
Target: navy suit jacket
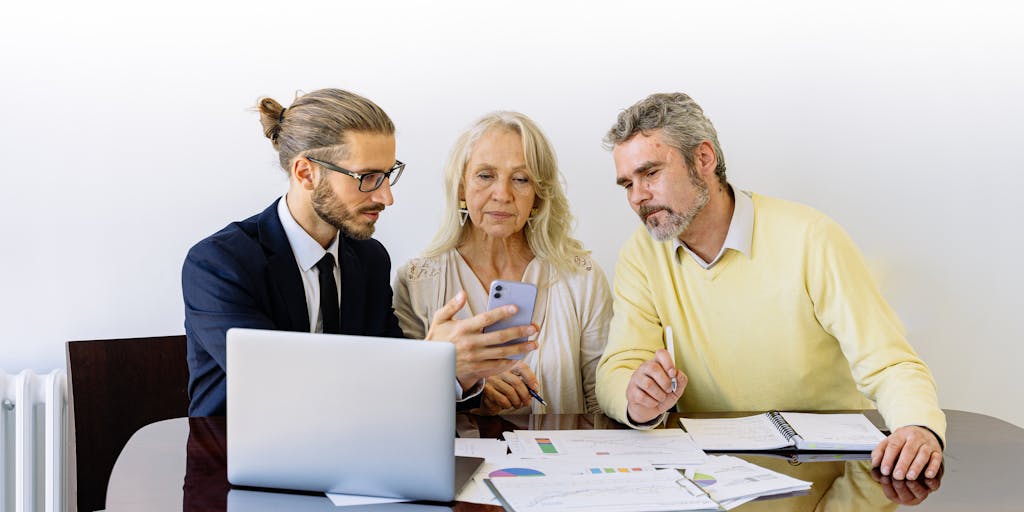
pixel 245 275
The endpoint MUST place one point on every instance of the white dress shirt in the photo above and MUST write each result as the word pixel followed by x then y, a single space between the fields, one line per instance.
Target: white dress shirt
pixel 307 253
pixel 740 235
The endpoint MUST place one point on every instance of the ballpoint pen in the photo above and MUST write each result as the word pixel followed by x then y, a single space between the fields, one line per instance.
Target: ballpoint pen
pixel 533 393
pixel 670 344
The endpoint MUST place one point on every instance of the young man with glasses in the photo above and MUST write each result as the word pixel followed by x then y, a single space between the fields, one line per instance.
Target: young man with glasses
pixel 308 262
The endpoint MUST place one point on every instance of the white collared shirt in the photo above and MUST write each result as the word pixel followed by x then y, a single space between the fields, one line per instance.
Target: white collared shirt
pixel 307 253
pixel 740 235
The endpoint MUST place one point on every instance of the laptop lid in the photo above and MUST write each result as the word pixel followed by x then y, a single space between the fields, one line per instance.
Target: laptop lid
pixel 338 413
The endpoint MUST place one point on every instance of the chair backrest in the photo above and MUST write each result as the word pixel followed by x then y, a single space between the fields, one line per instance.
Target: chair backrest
pixel 115 388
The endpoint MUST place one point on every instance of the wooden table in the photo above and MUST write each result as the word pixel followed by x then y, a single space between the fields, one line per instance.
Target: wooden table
pixel 180 464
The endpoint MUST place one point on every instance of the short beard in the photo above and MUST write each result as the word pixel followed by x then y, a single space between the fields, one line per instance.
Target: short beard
pixel 675 224
pixel 333 212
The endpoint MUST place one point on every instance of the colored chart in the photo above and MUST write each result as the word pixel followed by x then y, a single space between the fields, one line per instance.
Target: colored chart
pixel 514 472
pixel 597 471
pixel 704 480
pixel 546 446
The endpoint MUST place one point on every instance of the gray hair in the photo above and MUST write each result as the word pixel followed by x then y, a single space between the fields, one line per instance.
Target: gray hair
pixel 681 120
pixel 319 121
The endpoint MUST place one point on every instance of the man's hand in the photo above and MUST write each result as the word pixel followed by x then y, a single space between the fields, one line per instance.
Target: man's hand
pixel 650 388
pixel 508 390
pixel 476 355
pixel 908 452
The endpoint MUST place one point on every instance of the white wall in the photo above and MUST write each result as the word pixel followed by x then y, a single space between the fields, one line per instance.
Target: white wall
pixel 127 136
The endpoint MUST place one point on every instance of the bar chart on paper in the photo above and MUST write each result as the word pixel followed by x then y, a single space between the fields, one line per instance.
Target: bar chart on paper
pixel 659 447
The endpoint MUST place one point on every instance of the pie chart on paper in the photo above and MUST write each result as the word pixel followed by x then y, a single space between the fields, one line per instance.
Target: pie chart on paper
pixel 703 479
pixel 514 472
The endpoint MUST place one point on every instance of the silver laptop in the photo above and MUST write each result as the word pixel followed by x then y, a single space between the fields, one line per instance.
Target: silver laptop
pixel 344 414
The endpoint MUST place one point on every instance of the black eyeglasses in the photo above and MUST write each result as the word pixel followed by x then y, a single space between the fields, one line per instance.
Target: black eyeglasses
pixel 368 181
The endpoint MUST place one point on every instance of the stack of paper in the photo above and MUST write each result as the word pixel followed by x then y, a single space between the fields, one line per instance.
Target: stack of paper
pixel 614 471
pixel 721 482
pixel 729 479
pixel 641 491
pixel 664 447
pixel 513 466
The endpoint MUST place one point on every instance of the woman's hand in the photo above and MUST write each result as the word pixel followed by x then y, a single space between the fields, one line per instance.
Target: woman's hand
pixel 477 354
pixel 507 390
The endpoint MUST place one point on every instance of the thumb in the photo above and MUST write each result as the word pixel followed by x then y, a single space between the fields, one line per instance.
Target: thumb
pixel 450 308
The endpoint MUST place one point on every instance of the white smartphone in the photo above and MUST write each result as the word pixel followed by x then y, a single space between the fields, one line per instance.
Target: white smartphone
pixel 523 295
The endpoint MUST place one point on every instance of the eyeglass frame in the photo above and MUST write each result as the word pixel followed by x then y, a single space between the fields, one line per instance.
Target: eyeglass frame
pixel 384 175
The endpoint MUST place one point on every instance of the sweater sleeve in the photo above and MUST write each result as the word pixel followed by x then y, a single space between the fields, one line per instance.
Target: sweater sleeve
pixel 634 334
pixel 850 307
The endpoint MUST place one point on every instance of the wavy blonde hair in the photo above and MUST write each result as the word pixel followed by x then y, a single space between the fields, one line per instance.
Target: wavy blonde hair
pixel 549 232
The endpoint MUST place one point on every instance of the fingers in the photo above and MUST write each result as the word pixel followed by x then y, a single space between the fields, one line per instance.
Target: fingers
pixel 665 360
pixel 450 308
pixel 518 386
pixel 934 465
pixel 876 454
pixel 478 322
pixel 907 453
pixel 650 390
pixel 526 374
pixel 493 402
pixel 505 384
pixel 920 461
pixel 890 454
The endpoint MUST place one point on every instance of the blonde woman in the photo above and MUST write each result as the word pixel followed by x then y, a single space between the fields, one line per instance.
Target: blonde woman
pixel 506 217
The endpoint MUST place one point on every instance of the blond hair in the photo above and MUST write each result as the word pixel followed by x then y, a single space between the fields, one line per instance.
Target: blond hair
pixel 316 123
pixel 549 231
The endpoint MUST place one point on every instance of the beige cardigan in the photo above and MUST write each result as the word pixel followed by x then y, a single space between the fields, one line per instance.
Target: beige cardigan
pixel 573 314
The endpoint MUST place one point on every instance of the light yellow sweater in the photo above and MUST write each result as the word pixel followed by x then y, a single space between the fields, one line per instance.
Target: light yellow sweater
pixel 799 325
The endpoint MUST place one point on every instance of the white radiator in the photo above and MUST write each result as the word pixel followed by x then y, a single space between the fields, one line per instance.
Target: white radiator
pixel 33 433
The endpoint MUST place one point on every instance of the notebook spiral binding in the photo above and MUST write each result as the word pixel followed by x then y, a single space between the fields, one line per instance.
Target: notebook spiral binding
pixel 781 424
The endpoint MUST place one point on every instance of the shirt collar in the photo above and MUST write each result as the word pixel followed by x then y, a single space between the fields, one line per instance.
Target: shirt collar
pixel 739 236
pixel 307 250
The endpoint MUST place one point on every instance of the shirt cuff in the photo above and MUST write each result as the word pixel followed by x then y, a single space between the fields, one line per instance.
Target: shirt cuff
pixel 647 425
pixel 463 395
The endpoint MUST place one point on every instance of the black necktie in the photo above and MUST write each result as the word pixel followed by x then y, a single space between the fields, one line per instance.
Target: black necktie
pixel 329 310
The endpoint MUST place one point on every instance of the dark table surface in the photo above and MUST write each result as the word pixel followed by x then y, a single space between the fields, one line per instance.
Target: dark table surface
pixel 181 464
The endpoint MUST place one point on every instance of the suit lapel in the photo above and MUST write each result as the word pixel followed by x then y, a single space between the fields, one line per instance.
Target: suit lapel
pixel 353 283
pixel 283 270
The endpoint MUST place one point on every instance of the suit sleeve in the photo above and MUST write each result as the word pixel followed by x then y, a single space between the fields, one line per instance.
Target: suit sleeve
pixel 219 294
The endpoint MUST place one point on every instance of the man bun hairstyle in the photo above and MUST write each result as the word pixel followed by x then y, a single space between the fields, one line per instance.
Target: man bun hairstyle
pixel 316 123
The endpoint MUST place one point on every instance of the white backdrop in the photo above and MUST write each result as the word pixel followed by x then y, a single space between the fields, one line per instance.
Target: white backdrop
pixel 128 135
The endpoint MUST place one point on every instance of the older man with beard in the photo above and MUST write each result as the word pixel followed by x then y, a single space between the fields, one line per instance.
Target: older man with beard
pixel 771 303
pixel 281 269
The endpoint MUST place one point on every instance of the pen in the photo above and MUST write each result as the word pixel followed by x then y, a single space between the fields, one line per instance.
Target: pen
pixel 533 393
pixel 670 344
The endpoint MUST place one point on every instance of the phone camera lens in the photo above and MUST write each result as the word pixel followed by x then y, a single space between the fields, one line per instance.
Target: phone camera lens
pixel 497 288
pixel 497 295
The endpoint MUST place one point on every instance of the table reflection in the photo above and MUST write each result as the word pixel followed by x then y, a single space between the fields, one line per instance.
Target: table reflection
pixel 839 484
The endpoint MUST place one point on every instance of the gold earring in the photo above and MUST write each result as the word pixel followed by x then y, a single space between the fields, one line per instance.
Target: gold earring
pixel 463 212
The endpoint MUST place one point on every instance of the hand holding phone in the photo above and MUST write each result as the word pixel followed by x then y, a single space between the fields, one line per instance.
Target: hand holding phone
pixel 523 295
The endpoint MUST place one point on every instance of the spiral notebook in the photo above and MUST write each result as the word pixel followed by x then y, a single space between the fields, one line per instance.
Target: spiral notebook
pixel 785 431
